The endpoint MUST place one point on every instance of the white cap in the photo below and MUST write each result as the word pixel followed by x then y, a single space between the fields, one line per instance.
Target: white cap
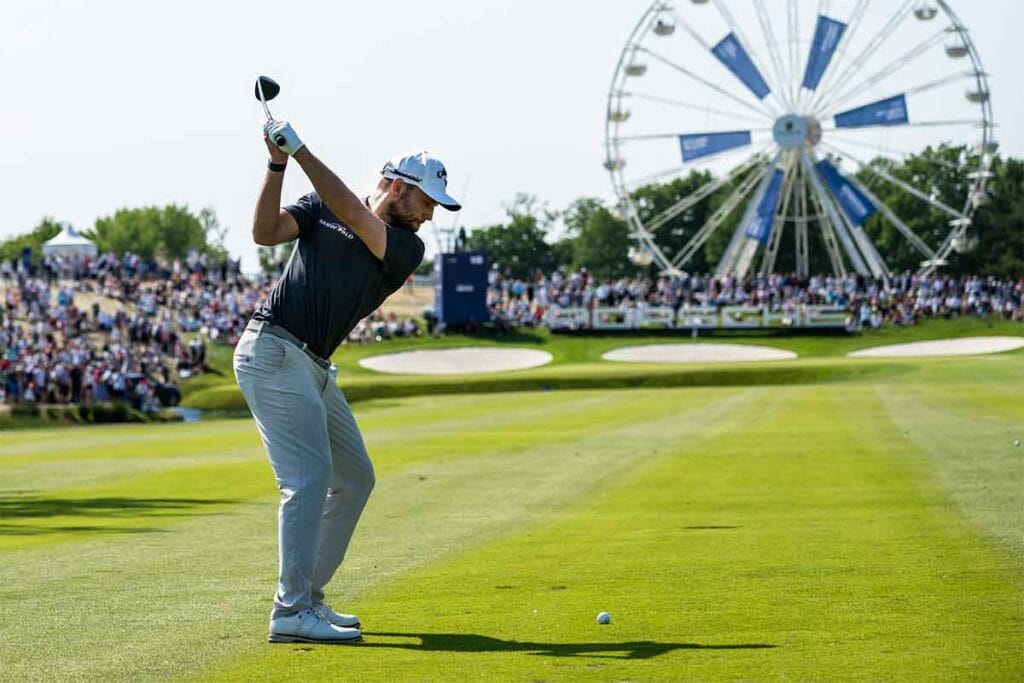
pixel 426 173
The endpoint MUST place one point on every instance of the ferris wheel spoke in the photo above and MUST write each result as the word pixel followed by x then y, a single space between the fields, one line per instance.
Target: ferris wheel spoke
pixel 902 12
pixel 903 185
pixel 828 48
pixel 675 170
pixel 736 53
pixel 691 248
pixel 836 214
pixel 891 110
pixel 689 105
pixel 828 233
pixel 701 193
pixel 729 139
pixel 773 53
pixel 896 155
pixel 793 47
pixel 709 84
pixel 895 220
pixel 884 73
pixel 952 123
pixel 774 240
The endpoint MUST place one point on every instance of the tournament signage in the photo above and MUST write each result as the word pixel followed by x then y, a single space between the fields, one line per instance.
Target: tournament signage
pixel 856 205
pixel 461 288
pixel 890 112
pixel 731 53
pixel 826 39
pixel 760 225
pixel 706 144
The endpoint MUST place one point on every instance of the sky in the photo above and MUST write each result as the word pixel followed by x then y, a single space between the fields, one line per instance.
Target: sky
pixel 110 104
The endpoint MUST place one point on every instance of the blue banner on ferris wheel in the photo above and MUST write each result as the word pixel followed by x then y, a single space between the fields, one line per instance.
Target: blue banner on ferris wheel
pixel 706 144
pixel 854 202
pixel 760 225
pixel 826 39
pixel 736 59
pixel 890 112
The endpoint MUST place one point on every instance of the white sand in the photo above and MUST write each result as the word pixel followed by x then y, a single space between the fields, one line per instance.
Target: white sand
pixel 696 353
pixel 457 361
pixel 970 346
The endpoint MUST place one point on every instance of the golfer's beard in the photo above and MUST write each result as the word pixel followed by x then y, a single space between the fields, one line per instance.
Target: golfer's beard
pixel 395 218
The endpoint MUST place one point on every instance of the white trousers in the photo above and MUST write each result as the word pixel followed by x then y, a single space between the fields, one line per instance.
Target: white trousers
pixel 320 462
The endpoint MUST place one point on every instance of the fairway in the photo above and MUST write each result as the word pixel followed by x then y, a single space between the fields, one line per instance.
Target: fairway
pixel 865 529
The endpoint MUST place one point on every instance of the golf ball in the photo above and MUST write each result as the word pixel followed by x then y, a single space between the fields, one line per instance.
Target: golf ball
pixel 1017 443
pixel 604 618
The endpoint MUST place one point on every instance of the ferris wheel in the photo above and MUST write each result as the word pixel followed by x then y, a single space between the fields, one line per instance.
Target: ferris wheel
pixel 801 111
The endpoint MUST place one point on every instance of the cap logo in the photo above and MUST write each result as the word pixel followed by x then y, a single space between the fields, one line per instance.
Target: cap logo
pixel 442 175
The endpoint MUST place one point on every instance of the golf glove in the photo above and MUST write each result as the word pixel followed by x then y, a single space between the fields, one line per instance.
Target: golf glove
pixel 283 135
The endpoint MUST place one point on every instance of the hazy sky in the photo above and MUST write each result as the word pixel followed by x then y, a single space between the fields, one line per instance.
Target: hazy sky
pixel 110 104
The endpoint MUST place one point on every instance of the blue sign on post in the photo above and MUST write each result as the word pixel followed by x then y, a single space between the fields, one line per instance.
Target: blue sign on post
pixel 889 112
pixel 854 202
pixel 706 144
pixel 731 53
pixel 760 224
pixel 826 39
pixel 461 289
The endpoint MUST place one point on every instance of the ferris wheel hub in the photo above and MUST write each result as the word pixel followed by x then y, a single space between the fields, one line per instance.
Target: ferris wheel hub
pixel 793 131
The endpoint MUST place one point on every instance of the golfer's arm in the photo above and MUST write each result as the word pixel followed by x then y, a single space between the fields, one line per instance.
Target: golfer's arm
pixel 272 225
pixel 343 203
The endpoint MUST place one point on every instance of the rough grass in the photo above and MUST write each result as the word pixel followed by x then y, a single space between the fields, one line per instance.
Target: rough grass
pixel 858 530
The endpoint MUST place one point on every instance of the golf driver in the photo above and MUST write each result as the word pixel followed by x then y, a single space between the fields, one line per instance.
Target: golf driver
pixel 267 89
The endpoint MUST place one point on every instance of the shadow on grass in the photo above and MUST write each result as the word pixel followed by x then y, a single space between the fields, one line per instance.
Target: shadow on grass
pixel 18 507
pixel 30 530
pixel 468 642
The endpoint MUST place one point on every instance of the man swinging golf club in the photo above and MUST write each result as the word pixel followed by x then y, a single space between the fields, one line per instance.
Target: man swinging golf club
pixel 350 255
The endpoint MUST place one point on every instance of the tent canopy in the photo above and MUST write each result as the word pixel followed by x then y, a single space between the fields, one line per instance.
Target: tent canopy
pixel 69 243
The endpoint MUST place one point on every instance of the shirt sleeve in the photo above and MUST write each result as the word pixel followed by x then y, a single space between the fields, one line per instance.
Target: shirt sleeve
pixel 306 213
pixel 402 254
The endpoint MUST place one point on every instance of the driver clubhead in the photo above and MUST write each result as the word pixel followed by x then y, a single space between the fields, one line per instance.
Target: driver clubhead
pixel 269 87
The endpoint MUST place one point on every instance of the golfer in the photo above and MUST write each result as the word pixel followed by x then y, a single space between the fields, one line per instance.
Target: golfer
pixel 350 254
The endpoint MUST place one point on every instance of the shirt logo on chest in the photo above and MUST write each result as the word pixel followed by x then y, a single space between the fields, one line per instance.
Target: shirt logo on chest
pixel 337 227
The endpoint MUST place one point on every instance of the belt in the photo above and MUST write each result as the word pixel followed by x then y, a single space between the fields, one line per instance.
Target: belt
pixel 282 333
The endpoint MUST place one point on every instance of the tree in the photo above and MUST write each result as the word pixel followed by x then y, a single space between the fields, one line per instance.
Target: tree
pixel 520 244
pixel 999 227
pixel 34 239
pixel 214 231
pixel 171 231
pixel 655 199
pixel 598 240
pixel 272 259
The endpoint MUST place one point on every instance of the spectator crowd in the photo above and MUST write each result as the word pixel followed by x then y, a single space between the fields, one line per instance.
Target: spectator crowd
pixel 56 349
pixel 902 300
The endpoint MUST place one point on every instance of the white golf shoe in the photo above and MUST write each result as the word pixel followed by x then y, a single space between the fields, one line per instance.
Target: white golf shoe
pixel 343 620
pixel 308 626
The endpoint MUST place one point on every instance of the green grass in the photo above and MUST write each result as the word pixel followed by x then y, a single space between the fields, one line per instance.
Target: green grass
pixel 577 363
pixel 868 528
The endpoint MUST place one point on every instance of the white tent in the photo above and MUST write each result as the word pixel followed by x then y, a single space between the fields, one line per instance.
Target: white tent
pixel 69 243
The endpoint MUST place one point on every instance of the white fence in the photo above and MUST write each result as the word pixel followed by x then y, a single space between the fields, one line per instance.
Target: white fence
pixel 695 318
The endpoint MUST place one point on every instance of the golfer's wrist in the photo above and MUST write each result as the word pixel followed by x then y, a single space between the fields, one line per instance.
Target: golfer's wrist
pixel 277 166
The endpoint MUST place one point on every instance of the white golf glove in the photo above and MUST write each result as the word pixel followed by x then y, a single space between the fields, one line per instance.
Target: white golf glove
pixel 283 136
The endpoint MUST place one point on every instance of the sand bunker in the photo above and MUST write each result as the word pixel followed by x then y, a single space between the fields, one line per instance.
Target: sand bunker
pixel 970 346
pixel 697 353
pixel 457 361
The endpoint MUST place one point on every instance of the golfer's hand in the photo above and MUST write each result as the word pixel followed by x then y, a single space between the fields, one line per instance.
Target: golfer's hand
pixel 276 155
pixel 282 135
